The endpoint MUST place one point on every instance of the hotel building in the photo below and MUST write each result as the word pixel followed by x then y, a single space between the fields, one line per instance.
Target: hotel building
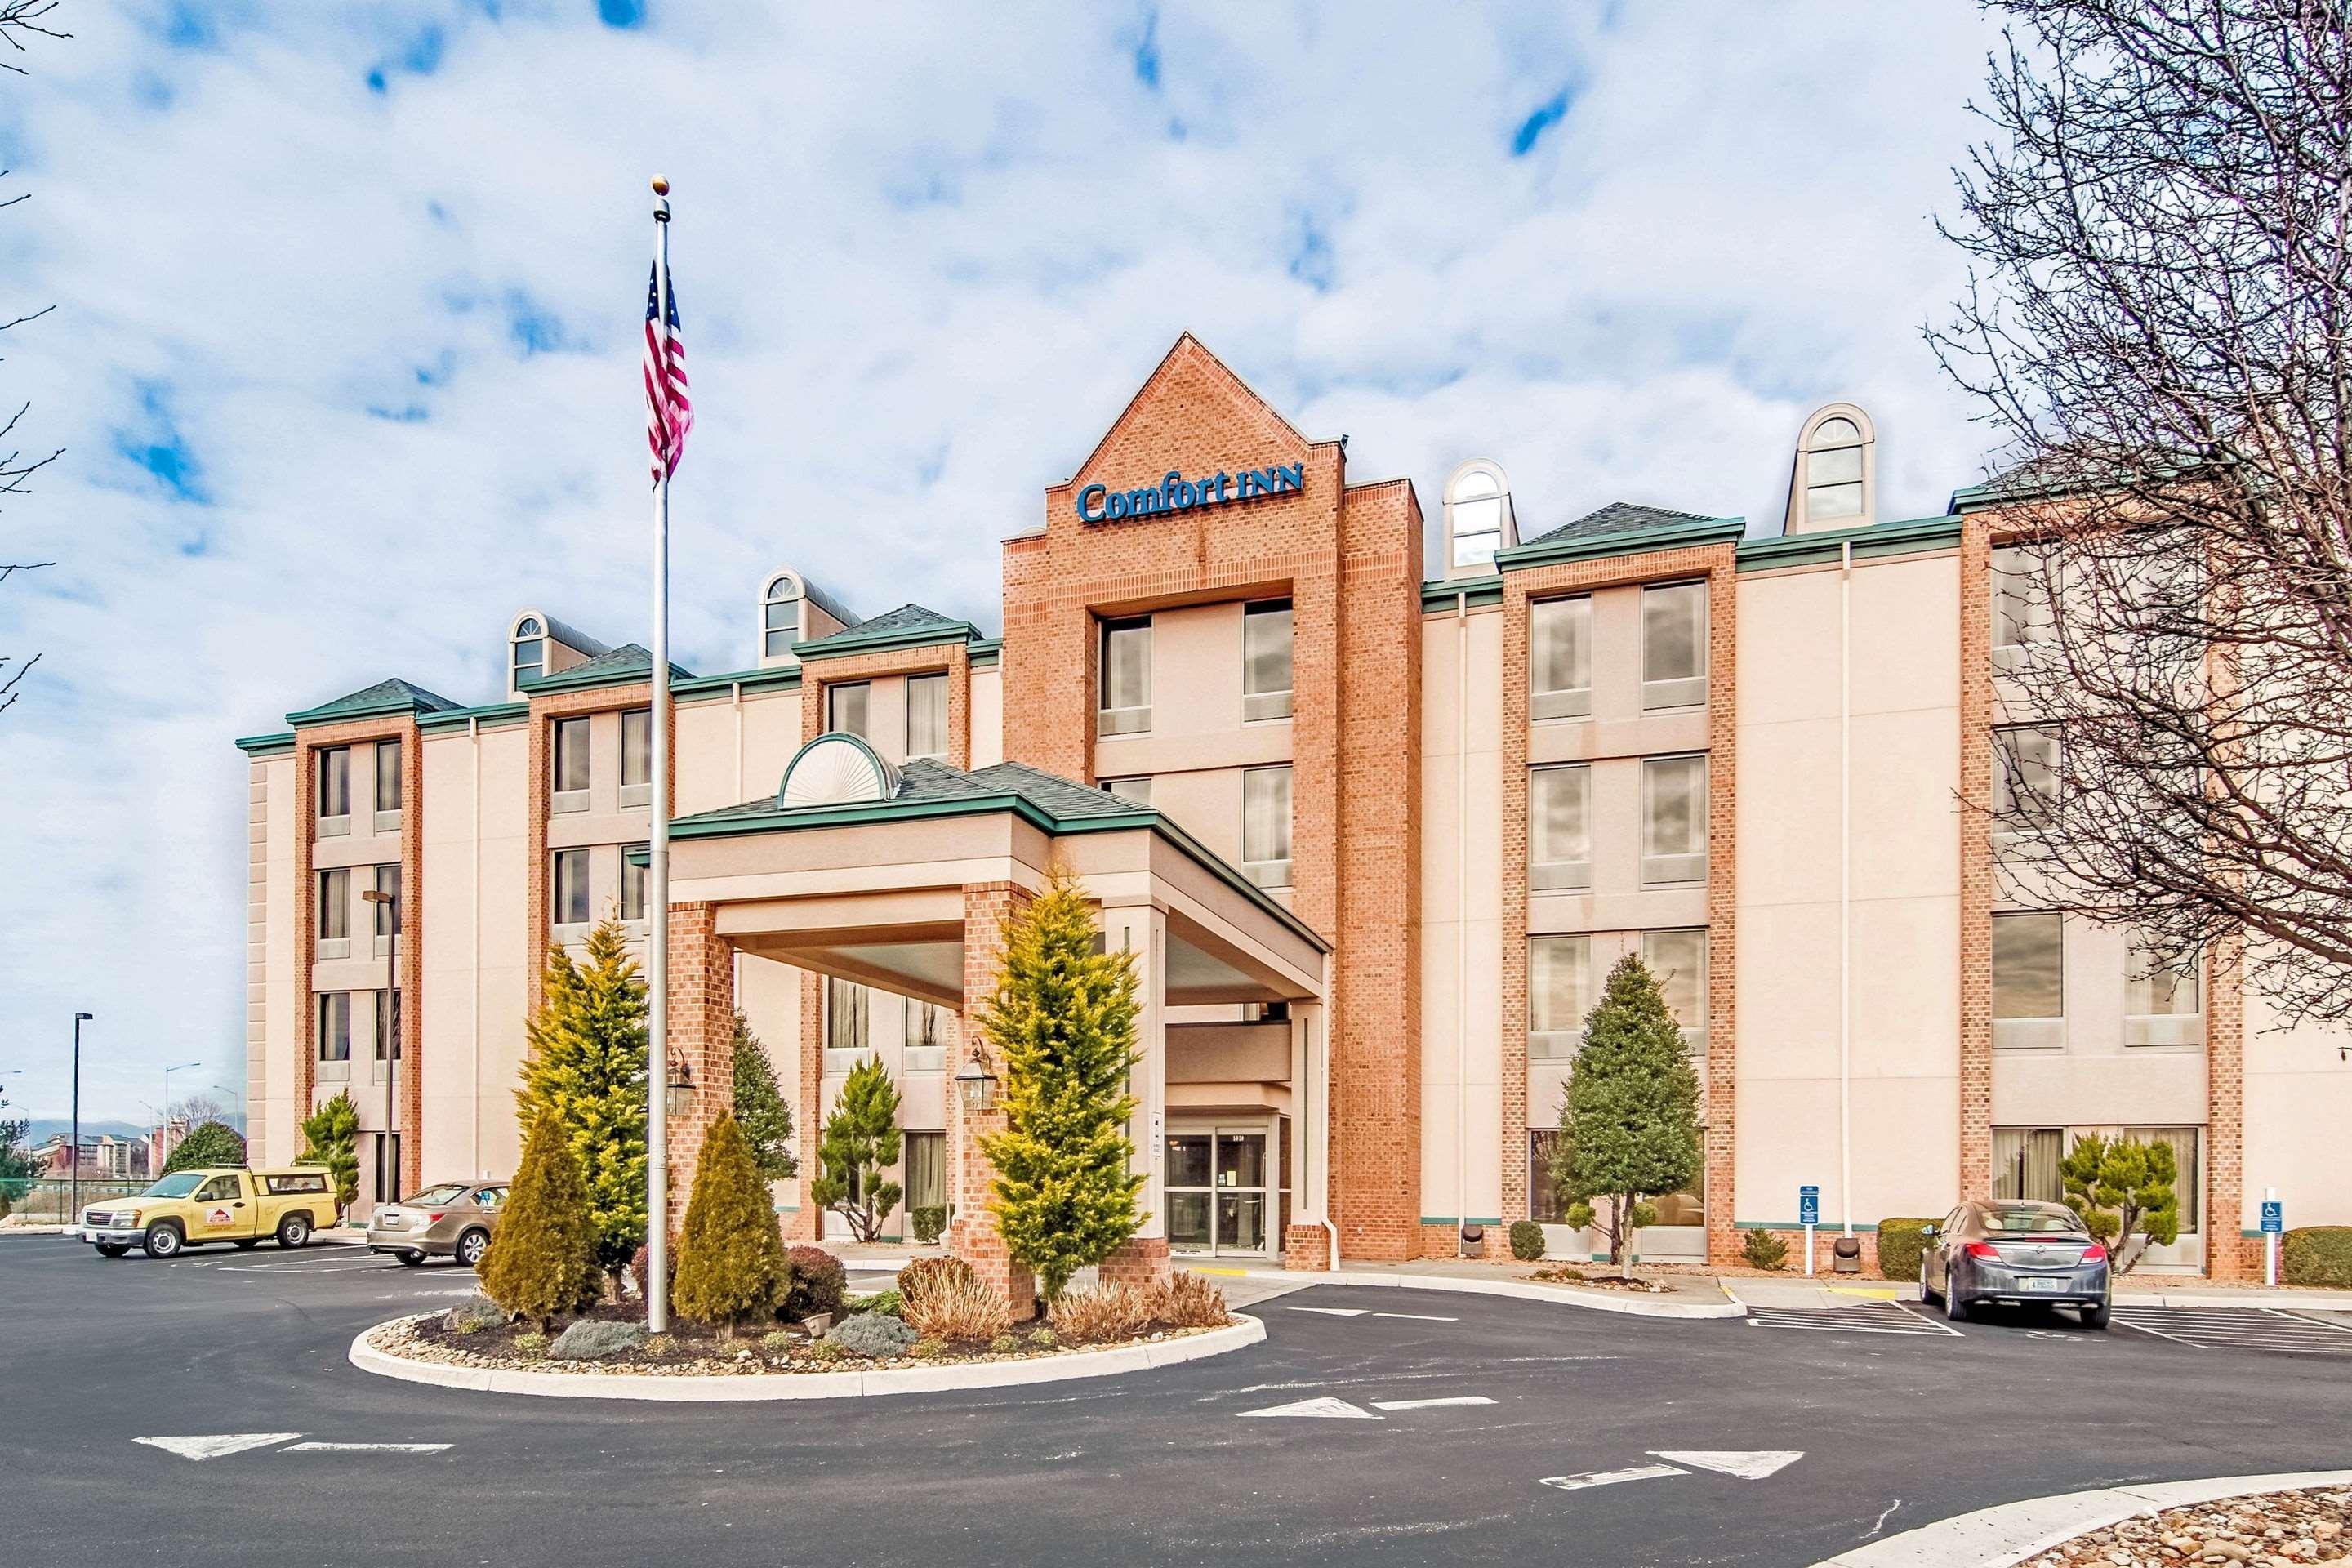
pixel 1375 799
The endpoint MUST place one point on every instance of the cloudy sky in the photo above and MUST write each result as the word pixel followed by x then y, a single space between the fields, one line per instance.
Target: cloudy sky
pixel 343 356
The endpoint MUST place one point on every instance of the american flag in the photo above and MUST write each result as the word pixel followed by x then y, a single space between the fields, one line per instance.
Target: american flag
pixel 668 414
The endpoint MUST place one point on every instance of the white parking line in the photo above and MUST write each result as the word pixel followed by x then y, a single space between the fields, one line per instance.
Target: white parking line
pixel 1430 1403
pixel 366 1448
pixel 1611 1478
pixel 1417 1317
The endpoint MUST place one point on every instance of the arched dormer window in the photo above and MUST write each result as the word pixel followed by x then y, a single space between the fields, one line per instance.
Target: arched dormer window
pixel 1478 519
pixel 529 652
pixel 1836 475
pixel 779 618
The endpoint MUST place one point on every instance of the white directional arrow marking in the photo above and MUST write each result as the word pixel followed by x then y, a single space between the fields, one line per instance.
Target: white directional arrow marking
pixel 1430 1403
pixel 366 1448
pixel 1327 1407
pixel 214 1446
pixel 1747 1464
pixel 1416 1317
pixel 1334 1312
pixel 1611 1478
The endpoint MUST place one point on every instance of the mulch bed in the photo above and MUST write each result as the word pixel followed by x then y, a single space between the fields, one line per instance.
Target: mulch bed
pixel 2285 1529
pixel 1570 1275
pixel 688 1350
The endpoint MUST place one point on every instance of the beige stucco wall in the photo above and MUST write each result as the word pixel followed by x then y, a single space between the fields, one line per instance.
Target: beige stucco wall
pixel 1461 917
pixel 2298 1105
pixel 1905 879
pixel 286 1015
pixel 987 716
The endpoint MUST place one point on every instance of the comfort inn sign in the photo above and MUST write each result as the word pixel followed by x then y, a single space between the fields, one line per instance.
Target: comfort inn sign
pixel 1174 492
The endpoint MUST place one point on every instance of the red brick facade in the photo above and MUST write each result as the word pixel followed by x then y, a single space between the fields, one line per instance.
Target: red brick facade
pixel 974 1236
pixel 701 1036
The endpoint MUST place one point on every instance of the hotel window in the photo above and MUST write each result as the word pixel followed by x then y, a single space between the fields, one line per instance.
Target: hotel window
pixel 335 913
pixel 2029 1007
pixel 779 617
pixel 2163 996
pixel 1678 958
pixel 1673 821
pixel 387 784
pixel 1543 1193
pixel 334 1036
pixel 2185 1179
pixel 1560 658
pixel 529 651
pixel 1833 471
pixel 1559 994
pixel 1125 679
pixel 2024 786
pixel 2020 611
pixel 637 757
pixel 1265 661
pixel 570 782
pixel 2025 1163
pixel 633 878
pixel 846 707
pixel 387 1032
pixel 925 1043
pixel 1674 647
pixel 387 916
pixel 1559 829
pixel 1138 790
pixel 570 888
pixel 334 790
pixel 926 716
pixel 847 1017
pixel 1475 511
pixel 1265 826
pixel 926 1170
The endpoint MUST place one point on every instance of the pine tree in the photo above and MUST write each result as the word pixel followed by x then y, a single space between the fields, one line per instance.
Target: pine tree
pixel 206 1143
pixel 330 1137
pixel 1628 1125
pixel 861 1141
pixel 760 1109
pixel 1062 1020
pixel 587 1070
pixel 544 1259
pixel 2123 1187
pixel 731 1261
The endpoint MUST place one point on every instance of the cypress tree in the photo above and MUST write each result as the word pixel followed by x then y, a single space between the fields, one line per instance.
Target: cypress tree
pixel 586 1070
pixel 544 1259
pixel 731 1261
pixel 760 1109
pixel 861 1141
pixel 330 1137
pixel 1062 1020
pixel 1628 1124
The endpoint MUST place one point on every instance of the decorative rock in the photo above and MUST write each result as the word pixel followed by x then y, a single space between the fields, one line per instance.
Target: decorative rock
pixel 595 1339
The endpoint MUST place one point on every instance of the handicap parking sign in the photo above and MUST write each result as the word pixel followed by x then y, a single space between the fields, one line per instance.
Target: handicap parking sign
pixel 1809 1206
pixel 2274 1217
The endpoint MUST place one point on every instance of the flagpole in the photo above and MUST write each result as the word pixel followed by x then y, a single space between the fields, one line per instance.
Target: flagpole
pixel 658 861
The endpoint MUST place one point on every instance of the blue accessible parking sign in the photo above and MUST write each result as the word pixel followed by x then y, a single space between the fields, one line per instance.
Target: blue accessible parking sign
pixel 2274 1217
pixel 1809 1206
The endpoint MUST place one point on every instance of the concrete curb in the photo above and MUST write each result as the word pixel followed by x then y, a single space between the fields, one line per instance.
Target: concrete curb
pixel 1517 1289
pixel 738 1387
pixel 2009 1534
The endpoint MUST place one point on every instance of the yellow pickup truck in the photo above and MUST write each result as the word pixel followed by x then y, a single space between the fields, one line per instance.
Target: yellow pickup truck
pixel 189 1208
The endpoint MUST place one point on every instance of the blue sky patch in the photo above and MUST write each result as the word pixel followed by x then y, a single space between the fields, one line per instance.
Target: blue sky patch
pixel 1146 51
pixel 534 328
pixel 1532 128
pixel 155 443
pixel 621 13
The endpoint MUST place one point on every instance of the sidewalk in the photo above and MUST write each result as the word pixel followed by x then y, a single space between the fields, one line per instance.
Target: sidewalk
pixel 1684 1295
pixel 1852 1289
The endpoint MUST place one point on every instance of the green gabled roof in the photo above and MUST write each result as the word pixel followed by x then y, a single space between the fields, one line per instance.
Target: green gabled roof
pixel 909 625
pixel 1620 528
pixel 1870 541
pixel 489 716
pixel 1045 801
pixel 385 696
pixel 623 666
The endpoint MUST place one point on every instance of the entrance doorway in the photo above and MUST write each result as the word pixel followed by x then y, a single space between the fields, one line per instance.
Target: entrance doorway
pixel 1217 1191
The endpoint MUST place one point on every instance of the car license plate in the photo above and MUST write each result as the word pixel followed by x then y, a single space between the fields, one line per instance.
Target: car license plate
pixel 2050 1286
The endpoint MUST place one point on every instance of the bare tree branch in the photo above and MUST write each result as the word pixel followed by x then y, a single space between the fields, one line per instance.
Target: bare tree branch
pixel 18 20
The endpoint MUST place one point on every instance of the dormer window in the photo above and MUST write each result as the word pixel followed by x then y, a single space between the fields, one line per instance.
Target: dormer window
pixel 779 617
pixel 1477 515
pixel 1834 478
pixel 529 650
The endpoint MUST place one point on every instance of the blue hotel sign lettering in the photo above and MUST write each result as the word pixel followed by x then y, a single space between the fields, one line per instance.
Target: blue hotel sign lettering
pixel 1174 492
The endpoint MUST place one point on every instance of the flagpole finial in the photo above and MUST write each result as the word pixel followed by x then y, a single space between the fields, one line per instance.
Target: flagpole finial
pixel 661 184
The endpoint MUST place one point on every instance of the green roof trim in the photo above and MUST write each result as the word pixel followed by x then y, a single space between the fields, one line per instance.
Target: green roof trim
pixel 1553 552
pixel 1440 597
pixel 887 639
pixel 489 716
pixel 624 666
pixel 266 745
pixel 1872 541
pixel 984 652
pixel 769 678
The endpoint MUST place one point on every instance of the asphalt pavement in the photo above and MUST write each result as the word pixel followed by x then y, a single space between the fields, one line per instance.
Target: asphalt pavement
pixel 1429 1428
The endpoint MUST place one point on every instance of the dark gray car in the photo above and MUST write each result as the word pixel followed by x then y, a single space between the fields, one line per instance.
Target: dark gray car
pixel 2012 1251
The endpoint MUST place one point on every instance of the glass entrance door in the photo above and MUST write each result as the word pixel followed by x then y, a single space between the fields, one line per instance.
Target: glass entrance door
pixel 1216 1191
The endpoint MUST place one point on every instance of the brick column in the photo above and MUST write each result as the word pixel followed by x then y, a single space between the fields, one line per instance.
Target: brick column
pixel 806 1222
pixel 701 1034
pixel 2228 1254
pixel 973 1236
pixel 1977 875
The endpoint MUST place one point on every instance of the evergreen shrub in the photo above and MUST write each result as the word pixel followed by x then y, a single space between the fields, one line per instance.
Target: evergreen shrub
pixel 1526 1240
pixel 545 1261
pixel 1900 1245
pixel 820 1284
pixel 731 1261
pixel 2316 1255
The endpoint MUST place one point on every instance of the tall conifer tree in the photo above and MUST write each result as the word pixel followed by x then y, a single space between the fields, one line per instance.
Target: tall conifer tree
pixel 543 1262
pixel 587 1070
pixel 731 1261
pixel 1062 1020
pixel 760 1109
pixel 1628 1123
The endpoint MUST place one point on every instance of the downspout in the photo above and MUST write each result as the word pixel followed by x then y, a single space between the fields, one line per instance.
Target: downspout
pixel 1462 921
pixel 473 1147
pixel 1846 887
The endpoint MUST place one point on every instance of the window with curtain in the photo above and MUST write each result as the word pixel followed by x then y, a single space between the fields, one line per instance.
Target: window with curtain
pixel 2187 1185
pixel 570 885
pixel 925 1168
pixel 387 775
pixel 2164 1003
pixel 1560 658
pixel 926 1037
pixel 926 716
pixel 846 1016
pixel 2025 1163
pixel 637 756
pixel 571 781
pixel 1678 958
pixel 1673 645
pixel 1265 661
pixel 334 1026
pixel 2024 784
pixel 1559 994
pixel 334 906
pixel 1674 820
pixel 1265 826
pixel 2028 993
pixel 633 879
pixel 335 782
pixel 846 707
pixel 1543 1198
pixel 1125 679
pixel 1559 829
pixel 387 916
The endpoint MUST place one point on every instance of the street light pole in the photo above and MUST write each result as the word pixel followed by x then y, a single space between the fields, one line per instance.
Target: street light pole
pixel 167 1108
pixel 73 1155
pixel 387 1160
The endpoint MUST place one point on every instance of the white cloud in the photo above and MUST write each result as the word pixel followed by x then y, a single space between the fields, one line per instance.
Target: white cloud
pixel 921 264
